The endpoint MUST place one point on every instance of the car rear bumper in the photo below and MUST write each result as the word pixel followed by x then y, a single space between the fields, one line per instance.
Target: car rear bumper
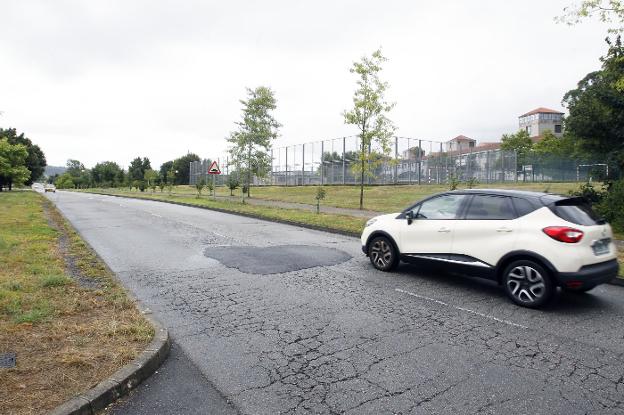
pixel 589 275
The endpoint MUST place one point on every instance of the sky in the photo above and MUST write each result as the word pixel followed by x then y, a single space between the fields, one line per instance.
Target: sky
pixel 116 79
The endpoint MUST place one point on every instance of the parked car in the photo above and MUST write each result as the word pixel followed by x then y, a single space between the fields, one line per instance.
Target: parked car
pixel 529 242
pixel 50 188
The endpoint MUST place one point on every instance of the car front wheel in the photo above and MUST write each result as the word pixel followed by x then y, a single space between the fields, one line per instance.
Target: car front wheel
pixel 383 254
pixel 528 284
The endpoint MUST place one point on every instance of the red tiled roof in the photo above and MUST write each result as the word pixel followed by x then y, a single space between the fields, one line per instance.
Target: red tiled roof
pixel 541 110
pixel 462 138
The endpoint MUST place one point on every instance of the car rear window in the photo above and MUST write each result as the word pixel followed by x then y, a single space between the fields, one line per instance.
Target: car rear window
pixel 576 211
pixel 523 206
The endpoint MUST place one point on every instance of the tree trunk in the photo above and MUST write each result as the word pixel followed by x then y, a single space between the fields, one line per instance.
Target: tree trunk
pixel 362 175
pixel 10 185
pixel 249 173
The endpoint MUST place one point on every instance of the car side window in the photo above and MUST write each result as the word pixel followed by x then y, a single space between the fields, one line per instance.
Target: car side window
pixel 440 208
pixel 483 207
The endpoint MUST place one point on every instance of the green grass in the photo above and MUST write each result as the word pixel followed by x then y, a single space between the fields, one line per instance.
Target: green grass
pixel 385 199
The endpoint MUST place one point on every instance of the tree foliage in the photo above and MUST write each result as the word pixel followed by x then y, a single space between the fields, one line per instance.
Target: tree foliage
pixel 13 170
pixel 608 11
pixel 251 142
pixel 107 174
pixel 182 165
pixel 519 142
pixel 596 109
pixel 35 160
pixel 369 114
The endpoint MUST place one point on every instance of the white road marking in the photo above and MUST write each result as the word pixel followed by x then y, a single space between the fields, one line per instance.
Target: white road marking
pixel 157 215
pixel 467 310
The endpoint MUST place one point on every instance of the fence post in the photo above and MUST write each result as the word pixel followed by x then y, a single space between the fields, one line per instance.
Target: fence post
pixel 487 166
pixel 303 164
pixel 322 163
pixel 419 160
pixel 344 162
pixel 271 166
pixel 396 159
pixel 286 172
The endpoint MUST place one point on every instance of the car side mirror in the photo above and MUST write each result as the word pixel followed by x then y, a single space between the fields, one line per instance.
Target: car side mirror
pixel 410 217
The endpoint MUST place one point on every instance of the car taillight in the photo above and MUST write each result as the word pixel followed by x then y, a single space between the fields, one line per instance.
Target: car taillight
pixel 564 234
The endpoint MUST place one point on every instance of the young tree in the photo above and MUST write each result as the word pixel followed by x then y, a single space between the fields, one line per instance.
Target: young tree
pixel 369 114
pixel 199 185
pixel 171 176
pixel 13 168
pixel 320 195
pixel 150 176
pixel 137 170
pixel 232 183
pixel 251 142
pixel 65 181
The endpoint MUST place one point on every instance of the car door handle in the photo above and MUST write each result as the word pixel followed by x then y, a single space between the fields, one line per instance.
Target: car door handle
pixel 503 229
pixel 444 230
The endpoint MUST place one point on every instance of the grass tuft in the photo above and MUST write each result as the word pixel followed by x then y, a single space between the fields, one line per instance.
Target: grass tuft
pixel 55 281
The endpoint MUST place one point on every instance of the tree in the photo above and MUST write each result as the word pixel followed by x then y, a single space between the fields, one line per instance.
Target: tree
pixel 165 168
pixel 106 174
pixel 320 195
pixel 81 177
pixel 182 165
pixel 65 181
pixel 553 146
pixel 608 11
pixel 251 142
pixel 369 114
pixel 199 185
pixel 596 109
pixel 35 160
pixel 151 176
pixel 13 168
pixel 519 142
pixel 232 183
pixel 137 170
pixel 171 176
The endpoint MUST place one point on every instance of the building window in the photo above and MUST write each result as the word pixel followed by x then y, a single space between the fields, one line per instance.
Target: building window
pixel 558 128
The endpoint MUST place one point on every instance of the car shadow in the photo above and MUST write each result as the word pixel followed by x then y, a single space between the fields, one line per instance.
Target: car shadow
pixel 563 302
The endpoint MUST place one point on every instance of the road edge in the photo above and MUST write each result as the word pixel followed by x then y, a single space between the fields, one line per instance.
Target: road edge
pixel 128 376
pixel 615 281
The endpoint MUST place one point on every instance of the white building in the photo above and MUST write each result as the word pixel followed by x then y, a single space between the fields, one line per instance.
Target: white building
pixel 540 120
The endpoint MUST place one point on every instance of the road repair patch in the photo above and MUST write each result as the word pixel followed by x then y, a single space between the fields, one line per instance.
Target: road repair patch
pixel 275 259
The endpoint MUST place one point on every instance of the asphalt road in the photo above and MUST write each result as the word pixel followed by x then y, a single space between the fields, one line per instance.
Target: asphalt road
pixel 313 328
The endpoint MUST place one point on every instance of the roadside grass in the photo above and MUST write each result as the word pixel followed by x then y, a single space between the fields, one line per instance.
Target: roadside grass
pixel 385 199
pixel 66 338
pixel 344 223
pixel 621 261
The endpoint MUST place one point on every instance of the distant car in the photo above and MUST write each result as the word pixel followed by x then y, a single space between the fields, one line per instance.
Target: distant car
pixel 528 242
pixel 50 188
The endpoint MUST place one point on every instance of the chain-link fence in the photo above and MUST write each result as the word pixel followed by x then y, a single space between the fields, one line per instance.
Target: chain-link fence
pixel 409 161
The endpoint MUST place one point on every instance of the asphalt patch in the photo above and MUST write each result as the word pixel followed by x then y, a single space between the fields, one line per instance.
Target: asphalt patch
pixel 275 259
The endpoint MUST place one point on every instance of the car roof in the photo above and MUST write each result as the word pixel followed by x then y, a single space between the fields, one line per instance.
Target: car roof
pixel 542 197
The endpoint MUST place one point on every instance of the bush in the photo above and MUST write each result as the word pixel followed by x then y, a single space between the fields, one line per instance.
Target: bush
pixel 589 192
pixel 611 207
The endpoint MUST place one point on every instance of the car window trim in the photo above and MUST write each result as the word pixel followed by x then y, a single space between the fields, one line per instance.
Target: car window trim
pixel 513 207
pixel 459 210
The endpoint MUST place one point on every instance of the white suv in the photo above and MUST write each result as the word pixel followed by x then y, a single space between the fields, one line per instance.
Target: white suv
pixel 528 242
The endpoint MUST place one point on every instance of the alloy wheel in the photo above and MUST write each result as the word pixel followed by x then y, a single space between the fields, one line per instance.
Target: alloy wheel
pixel 526 284
pixel 381 253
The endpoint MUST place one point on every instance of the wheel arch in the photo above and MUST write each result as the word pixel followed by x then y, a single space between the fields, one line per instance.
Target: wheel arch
pixel 385 234
pixel 520 255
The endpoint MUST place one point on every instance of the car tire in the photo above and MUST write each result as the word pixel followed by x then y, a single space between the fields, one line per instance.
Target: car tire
pixel 528 284
pixel 382 253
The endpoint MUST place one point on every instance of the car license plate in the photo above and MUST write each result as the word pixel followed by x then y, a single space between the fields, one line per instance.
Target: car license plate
pixel 601 246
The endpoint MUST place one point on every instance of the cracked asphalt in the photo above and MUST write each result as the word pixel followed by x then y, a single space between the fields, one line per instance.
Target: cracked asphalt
pixel 342 337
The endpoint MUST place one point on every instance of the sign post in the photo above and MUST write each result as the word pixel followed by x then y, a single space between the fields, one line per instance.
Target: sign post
pixel 214 170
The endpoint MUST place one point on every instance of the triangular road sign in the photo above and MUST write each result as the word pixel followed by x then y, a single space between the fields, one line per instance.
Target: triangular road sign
pixel 214 168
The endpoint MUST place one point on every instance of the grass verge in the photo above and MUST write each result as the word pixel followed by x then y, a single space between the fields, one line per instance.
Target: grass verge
pixel 376 198
pixel 343 223
pixel 62 312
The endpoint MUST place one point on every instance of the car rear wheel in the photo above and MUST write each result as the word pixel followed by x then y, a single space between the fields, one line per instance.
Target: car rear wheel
pixel 382 254
pixel 528 284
